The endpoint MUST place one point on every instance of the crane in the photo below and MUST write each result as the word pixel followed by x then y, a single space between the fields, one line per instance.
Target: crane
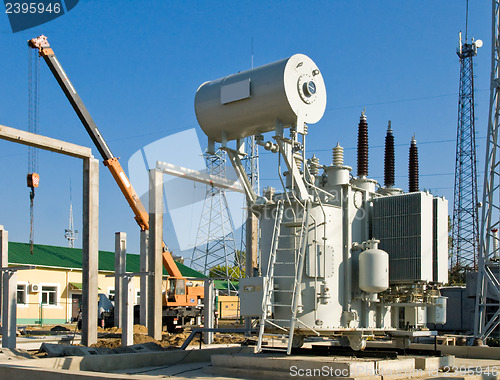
pixel 110 161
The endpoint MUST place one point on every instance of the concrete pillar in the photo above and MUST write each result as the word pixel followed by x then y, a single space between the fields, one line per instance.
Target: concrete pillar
pixel 90 250
pixel 127 312
pixel 144 278
pixel 155 260
pixel 120 268
pixel 252 244
pixel 251 249
pixel 208 310
pixel 4 257
pixel 9 290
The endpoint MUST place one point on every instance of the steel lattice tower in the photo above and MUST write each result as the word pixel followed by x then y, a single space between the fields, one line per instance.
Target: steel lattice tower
pixel 215 243
pixel 251 164
pixel 487 316
pixel 465 230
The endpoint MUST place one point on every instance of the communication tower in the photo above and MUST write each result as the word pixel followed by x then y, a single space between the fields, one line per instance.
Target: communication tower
pixel 70 233
pixel 465 229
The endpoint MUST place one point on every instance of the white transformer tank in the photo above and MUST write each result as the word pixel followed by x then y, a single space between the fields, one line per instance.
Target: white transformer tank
pixel 251 102
pixel 321 269
pixel 320 296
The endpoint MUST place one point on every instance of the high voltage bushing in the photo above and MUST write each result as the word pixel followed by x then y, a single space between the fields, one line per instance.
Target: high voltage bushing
pixel 389 159
pixel 338 155
pixel 362 146
pixel 413 167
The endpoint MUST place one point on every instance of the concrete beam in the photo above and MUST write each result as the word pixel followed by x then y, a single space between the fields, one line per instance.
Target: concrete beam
pixel 90 250
pixel 43 142
pixel 155 259
pixel 4 257
pixel 144 279
pixel 120 260
pixel 197 176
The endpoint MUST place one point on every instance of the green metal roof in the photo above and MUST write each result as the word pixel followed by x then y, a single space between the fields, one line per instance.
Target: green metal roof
pixel 64 257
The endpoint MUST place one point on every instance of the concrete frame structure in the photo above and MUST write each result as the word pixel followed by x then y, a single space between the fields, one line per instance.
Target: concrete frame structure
pixel 144 280
pixel 4 258
pixel 120 268
pixel 9 300
pixel 155 258
pixel 90 235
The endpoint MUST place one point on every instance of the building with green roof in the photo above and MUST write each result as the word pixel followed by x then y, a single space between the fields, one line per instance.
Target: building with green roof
pixel 52 292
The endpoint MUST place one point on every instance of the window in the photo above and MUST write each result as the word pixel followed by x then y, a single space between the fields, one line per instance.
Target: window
pixel 49 295
pixel 21 294
pixel 137 297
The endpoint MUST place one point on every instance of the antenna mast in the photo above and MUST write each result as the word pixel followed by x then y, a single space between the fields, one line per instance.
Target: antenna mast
pixel 70 233
pixel 465 228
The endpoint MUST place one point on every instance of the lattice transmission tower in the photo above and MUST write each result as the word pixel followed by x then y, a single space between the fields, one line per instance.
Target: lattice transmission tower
pixel 251 165
pixel 215 248
pixel 487 316
pixel 465 230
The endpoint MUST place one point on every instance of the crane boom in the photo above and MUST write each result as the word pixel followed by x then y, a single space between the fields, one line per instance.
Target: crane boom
pixel 110 161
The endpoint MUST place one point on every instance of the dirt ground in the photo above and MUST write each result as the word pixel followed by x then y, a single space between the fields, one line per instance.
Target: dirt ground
pixel 168 339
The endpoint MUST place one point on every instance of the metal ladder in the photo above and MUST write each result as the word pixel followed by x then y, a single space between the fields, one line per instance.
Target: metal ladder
pixel 278 256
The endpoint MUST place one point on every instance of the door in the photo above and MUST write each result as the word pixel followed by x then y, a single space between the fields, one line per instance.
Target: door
pixel 76 303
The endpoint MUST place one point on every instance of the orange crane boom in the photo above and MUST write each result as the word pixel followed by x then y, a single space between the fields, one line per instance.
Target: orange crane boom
pixel 110 161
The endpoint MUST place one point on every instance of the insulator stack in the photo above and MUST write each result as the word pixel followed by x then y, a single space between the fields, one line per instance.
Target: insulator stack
pixel 298 162
pixel 363 146
pixel 314 165
pixel 338 155
pixel 413 167
pixel 389 159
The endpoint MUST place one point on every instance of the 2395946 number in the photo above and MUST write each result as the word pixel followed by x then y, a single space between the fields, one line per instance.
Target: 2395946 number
pixel 32 8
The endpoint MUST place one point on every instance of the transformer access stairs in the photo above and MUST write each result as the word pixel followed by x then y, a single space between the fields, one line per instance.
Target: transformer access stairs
pixel 276 297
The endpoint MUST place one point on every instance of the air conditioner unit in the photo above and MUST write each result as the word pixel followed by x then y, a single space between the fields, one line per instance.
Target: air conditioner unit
pixel 34 288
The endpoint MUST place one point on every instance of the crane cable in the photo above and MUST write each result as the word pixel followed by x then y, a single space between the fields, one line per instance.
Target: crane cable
pixel 32 178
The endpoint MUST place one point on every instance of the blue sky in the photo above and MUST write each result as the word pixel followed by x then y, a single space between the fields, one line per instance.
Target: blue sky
pixel 137 66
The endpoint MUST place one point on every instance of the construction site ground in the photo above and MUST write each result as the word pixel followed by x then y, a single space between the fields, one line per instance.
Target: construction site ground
pixel 227 358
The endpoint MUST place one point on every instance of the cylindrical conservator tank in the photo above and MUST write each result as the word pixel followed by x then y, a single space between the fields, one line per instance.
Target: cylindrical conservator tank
pixel 373 270
pixel 250 102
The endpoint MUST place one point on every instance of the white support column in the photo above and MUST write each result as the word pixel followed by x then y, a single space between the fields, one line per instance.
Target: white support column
pixel 90 250
pixel 127 311
pixel 252 238
pixel 155 260
pixel 9 290
pixel 144 279
pixel 4 257
pixel 208 311
pixel 120 268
